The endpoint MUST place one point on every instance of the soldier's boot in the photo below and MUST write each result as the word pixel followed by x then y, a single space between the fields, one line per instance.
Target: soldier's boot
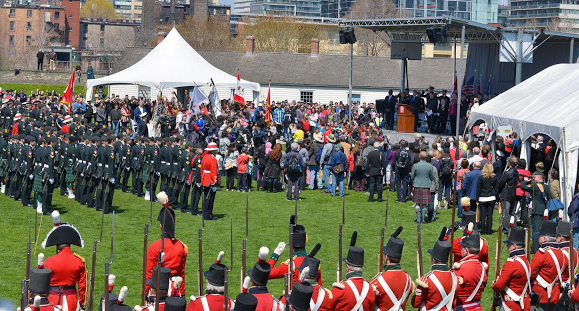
pixel 147 195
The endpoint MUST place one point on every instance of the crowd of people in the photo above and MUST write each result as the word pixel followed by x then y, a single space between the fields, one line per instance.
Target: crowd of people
pixel 87 150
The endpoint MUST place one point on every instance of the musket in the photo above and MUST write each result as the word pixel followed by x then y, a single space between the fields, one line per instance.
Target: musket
pixel 339 277
pixel 296 208
pixel 244 253
pixel 419 254
pixel 225 290
pixel 24 296
pixel 151 193
pixel 200 269
pixel 529 233
pixel 144 281
pixel 107 265
pixel 90 302
pixel 160 261
pixel 293 222
pixel 496 294
pixel 343 210
pixel 381 257
pixel 23 293
pixel 572 262
pixel 454 203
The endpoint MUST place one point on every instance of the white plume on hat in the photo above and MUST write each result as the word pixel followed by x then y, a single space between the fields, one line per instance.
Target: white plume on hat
pixel 177 282
pixel 512 221
pixel 37 300
pixel 546 214
pixel 219 257
pixel 263 252
pixel 40 260
pixel 162 197
pixel 122 295
pixel 560 214
pixel 56 218
pixel 470 228
pixel 304 274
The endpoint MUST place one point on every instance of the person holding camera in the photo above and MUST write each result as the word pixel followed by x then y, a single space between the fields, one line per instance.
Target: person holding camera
pixel 540 196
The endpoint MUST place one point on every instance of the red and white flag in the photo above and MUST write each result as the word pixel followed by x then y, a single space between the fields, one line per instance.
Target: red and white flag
pixel 238 93
pixel 268 118
pixel 67 96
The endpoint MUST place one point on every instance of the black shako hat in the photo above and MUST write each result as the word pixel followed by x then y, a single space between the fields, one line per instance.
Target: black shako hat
pixel 312 262
pixel 167 217
pixel 395 245
pixel 355 253
pixel 164 276
pixel 175 304
pixel 471 241
pixel 517 236
pixel 216 274
pixel 468 217
pixel 260 273
pixel 563 228
pixel 39 280
pixel 301 295
pixel 299 236
pixel 112 300
pixel 441 248
pixel 548 228
pixel 245 302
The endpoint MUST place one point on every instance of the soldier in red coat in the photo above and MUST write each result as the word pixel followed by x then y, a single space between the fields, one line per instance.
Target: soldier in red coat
pixel 209 180
pixel 39 287
pixel 514 281
pixel 300 297
pixel 483 255
pixel 164 287
pixel 299 252
pixel 214 300
pixel 256 284
pixel 354 293
pixel 546 267
pixel 394 285
pixel 563 234
pixel 436 289
pixel 472 275
pixel 68 269
pixel 175 251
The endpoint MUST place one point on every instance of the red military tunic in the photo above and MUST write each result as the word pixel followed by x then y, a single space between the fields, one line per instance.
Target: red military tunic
pixel 513 282
pixel 472 276
pixel 151 306
pixel 544 273
pixel 565 249
pixel 398 282
pixel 265 301
pixel 575 296
pixel 175 258
pixel 483 255
pixel 214 303
pixel 279 271
pixel 344 297
pixel 427 294
pixel 208 170
pixel 321 299
pixel 68 269
pixel 45 305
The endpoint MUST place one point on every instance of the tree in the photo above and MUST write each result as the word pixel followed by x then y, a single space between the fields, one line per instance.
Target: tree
pixel 206 33
pixel 98 9
pixel 370 42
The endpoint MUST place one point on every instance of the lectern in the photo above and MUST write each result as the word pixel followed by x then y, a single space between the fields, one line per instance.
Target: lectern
pixel 405 119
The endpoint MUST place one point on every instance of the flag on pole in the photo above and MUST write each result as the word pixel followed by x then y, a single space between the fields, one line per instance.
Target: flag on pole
pixel 469 86
pixel 67 96
pixel 268 117
pixel 489 87
pixel 455 87
pixel 196 98
pixel 238 94
pixel 214 98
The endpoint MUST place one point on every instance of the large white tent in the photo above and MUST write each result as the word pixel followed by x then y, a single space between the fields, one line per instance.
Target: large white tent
pixel 545 103
pixel 171 64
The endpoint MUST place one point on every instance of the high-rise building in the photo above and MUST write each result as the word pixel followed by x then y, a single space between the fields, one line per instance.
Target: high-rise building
pixel 301 8
pixel 336 8
pixel 242 7
pixel 482 11
pixel 560 15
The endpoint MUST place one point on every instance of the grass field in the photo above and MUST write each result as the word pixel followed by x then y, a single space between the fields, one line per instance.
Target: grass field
pixel 29 88
pixel 268 224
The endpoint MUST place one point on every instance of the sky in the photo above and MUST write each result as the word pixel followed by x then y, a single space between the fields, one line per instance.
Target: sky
pixel 228 2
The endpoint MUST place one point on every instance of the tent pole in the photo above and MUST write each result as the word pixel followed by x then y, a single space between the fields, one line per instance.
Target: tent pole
pixel 519 65
pixel 563 181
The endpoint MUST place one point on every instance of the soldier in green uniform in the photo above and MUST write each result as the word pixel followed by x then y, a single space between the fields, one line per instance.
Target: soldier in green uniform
pixel 4 148
pixel 49 175
pixel 174 185
pixel 38 174
pixel 183 178
pixel 195 179
pixel 69 164
pixel 102 165
pixel 51 118
pixel 29 152
pixel 125 164
pixel 152 167
pixel 62 148
pixel 92 181
pixel 165 163
pixel 109 175
pixel 16 184
pixel 78 166
pixel 137 159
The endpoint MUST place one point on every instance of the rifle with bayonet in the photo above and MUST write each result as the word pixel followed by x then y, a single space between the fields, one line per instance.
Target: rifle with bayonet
pixel 381 257
pixel 288 277
pixel 419 220
pixel 144 280
pixel 339 272
pixel 244 250
pixel 454 204
pixel 24 295
pixel 200 268
pixel 160 261
pixel 107 265
pixel 90 302
pixel 226 274
pixel 496 295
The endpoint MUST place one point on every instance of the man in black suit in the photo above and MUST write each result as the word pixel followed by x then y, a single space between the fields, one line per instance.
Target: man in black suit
pixel 390 104
pixel 416 102
pixel 375 164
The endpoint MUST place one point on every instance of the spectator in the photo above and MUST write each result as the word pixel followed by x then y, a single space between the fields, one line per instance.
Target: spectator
pixel 231 167
pixel 445 179
pixel 487 196
pixel 508 189
pixel 403 163
pixel 422 177
pixel 539 194
pixel 375 165
pixel 554 186
pixel 459 184
pixel 521 194
pixel 432 206
pixel 125 115
pixel 338 166
pixel 40 60
pixel 115 116
pixel 242 170
pixel 52 60
pixel 89 72
pixel 293 164
pixel 325 158
pixel 273 168
pixel 470 184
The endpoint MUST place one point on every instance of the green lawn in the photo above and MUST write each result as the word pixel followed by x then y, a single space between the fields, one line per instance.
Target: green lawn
pixel 30 88
pixel 268 224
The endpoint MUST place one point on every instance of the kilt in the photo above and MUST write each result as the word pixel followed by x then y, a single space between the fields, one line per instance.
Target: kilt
pixel 37 184
pixel 69 174
pixel 146 174
pixel 421 196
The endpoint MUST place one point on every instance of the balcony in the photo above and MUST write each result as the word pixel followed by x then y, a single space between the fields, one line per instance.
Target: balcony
pixel 535 6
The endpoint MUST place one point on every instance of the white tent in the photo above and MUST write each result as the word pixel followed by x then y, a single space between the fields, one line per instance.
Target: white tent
pixel 544 103
pixel 171 64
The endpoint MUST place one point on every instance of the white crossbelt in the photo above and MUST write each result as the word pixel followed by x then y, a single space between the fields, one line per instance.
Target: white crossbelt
pixel 546 285
pixel 512 294
pixel 359 296
pixel 447 299
pixel 314 306
pixel 397 302
pixel 482 277
pixel 274 304
pixel 205 304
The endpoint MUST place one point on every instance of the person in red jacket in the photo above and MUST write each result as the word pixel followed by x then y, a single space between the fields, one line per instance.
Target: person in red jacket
pixel 394 285
pixel 175 251
pixel 256 284
pixel 563 234
pixel 68 269
pixel 546 267
pixel 521 194
pixel 354 293
pixel 437 288
pixel 472 275
pixel 39 287
pixel 467 218
pixel 214 299
pixel 209 180
pixel 65 128
pixel 514 281
pixel 17 118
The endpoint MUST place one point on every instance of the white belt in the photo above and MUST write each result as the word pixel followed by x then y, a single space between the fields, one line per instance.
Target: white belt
pixel 83 162
pixel 163 162
pixel 206 171
pixel 135 158
pixel 100 164
pixel 124 158
pixel 45 165
pixel 468 305
pixel 175 163
pixel 106 165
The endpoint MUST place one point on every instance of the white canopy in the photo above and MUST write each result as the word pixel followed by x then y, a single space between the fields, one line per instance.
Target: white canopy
pixel 171 64
pixel 545 103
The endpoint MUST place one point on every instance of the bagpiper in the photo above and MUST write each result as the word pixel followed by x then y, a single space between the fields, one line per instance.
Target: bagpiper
pixel 214 300
pixel 394 285
pixel 436 289
pixel 354 293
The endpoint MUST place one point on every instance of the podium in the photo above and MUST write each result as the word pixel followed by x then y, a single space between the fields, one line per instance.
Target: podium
pixel 405 119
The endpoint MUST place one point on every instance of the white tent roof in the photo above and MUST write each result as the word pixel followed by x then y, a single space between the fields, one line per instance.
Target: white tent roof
pixel 171 64
pixel 544 103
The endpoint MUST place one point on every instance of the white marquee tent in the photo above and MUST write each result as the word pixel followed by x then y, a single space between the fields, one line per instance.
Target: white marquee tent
pixel 544 103
pixel 171 64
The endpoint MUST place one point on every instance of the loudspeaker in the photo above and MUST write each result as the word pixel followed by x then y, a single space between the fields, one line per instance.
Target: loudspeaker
pixel 441 35
pixel 431 34
pixel 342 37
pixel 347 36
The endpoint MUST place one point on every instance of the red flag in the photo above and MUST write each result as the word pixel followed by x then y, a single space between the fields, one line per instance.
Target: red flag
pixel 238 93
pixel 268 118
pixel 454 87
pixel 67 96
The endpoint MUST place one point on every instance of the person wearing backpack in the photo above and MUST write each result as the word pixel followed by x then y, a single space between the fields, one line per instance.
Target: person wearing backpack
pixel 313 161
pixel 325 156
pixel 293 167
pixel 339 165
pixel 402 162
pixel 445 178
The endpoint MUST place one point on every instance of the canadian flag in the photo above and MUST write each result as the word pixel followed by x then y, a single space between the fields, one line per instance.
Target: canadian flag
pixel 67 96
pixel 238 93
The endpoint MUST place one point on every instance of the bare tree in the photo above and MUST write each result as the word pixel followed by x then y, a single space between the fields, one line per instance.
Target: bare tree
pixel 370 42
pixel 207 33
pixel 562 24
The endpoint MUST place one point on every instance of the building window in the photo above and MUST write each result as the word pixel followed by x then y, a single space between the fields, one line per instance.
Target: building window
pixel 56 15
pixel 307 96
pixel 70 16
pixel 29 13
pixel 102 42
pixel 11 40
pixel 69 29
pixel 102 27
pixel 12 13
pixel 11 25
pixel 28 26
pixel 28 40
